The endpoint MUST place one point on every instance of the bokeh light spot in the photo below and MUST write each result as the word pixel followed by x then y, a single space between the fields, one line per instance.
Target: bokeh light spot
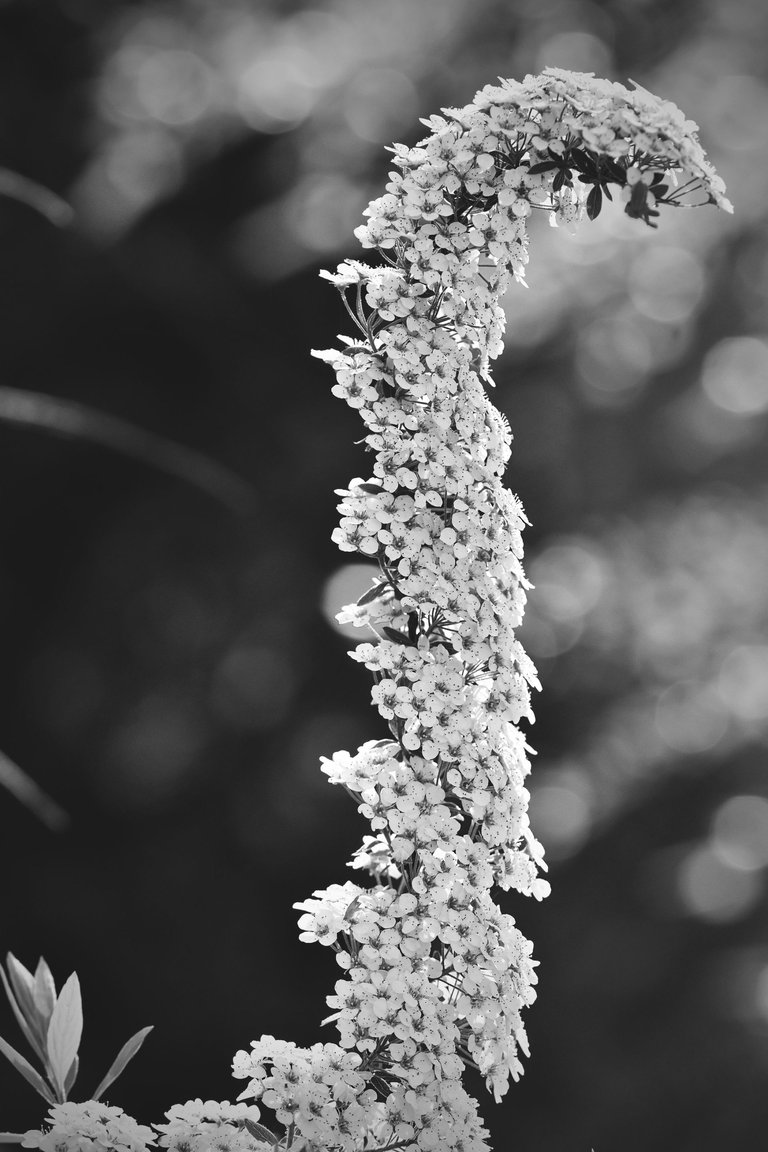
pixel 253 686
pixel 569 577
pixel 743 683
pixel 345 586
pixel 273 95
pixel 322 211
pixel 580 51
pixel 377 102
pixel 711 890
pixel 666 283
pixel 150 754
pixel 561 812
pixel 689 718
pixel 735 375
pixel 740 832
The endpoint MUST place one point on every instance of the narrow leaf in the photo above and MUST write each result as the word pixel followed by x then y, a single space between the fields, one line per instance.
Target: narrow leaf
pixel 44 991
pixel 394 635
pixel 29 1035
pixel 584 161
pixel 126 1053
pixel 71 1076
pixel 259 1131
pixel 372 593
pixel 594 203
pixel 27 1071
pixel 23 981
pixel 65 1030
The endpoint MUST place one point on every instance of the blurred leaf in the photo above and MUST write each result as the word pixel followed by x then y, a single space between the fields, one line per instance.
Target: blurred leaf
pixel 78 421
pixel 65 1030
pixel 29 1035
pixel 47 203
pixel 31 796
pixel 126 1053
pixel 26 1070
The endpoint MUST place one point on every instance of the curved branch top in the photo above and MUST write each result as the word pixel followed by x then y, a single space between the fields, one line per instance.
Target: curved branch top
pixel 435 975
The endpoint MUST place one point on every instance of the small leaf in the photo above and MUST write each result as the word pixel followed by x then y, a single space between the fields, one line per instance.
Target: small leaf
pixel 71 1076
pixel 544 166
pixel 29 1035
pixel 44 991
pixel 594 202
pixel 23 1067
pixel 65 1030
pixel 372 593
pixel 585 162
pixel 259 1131
pixel 394 635
pixel 370 489
pixel 126 1053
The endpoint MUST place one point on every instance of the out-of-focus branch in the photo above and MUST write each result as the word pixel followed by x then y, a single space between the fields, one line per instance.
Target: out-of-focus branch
pixel 31 795
pixel 77 421
pixel 47 203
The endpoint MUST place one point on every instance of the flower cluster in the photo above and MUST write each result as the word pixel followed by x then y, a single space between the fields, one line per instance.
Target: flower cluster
pixel 199 1126
pixel 434 975
pixel 89 1127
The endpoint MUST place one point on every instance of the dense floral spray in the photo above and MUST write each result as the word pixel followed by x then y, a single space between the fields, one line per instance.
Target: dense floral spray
pixel 435 975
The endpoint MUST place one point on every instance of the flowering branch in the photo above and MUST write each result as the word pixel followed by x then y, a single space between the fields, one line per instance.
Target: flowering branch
pixel 435 976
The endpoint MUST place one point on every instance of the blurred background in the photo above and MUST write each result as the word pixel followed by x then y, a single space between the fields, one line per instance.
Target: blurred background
pixel 171 670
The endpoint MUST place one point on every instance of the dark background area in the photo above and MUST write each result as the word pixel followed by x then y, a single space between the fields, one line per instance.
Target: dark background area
pixel 171 670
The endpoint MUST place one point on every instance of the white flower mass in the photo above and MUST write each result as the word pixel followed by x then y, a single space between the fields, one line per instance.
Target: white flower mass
pixel 435 975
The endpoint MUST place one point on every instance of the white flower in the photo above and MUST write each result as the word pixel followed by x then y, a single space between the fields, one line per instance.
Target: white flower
pixel 199 1126
pixel 89 1127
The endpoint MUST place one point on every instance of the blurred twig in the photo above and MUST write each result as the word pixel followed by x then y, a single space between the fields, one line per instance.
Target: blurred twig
pixel 47 203
pixel 71 419
pixel 28 793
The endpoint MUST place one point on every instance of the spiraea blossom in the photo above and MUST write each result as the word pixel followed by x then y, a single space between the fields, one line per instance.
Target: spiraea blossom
pixel 434 976
pixel 89 1127
pixel 199 1126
